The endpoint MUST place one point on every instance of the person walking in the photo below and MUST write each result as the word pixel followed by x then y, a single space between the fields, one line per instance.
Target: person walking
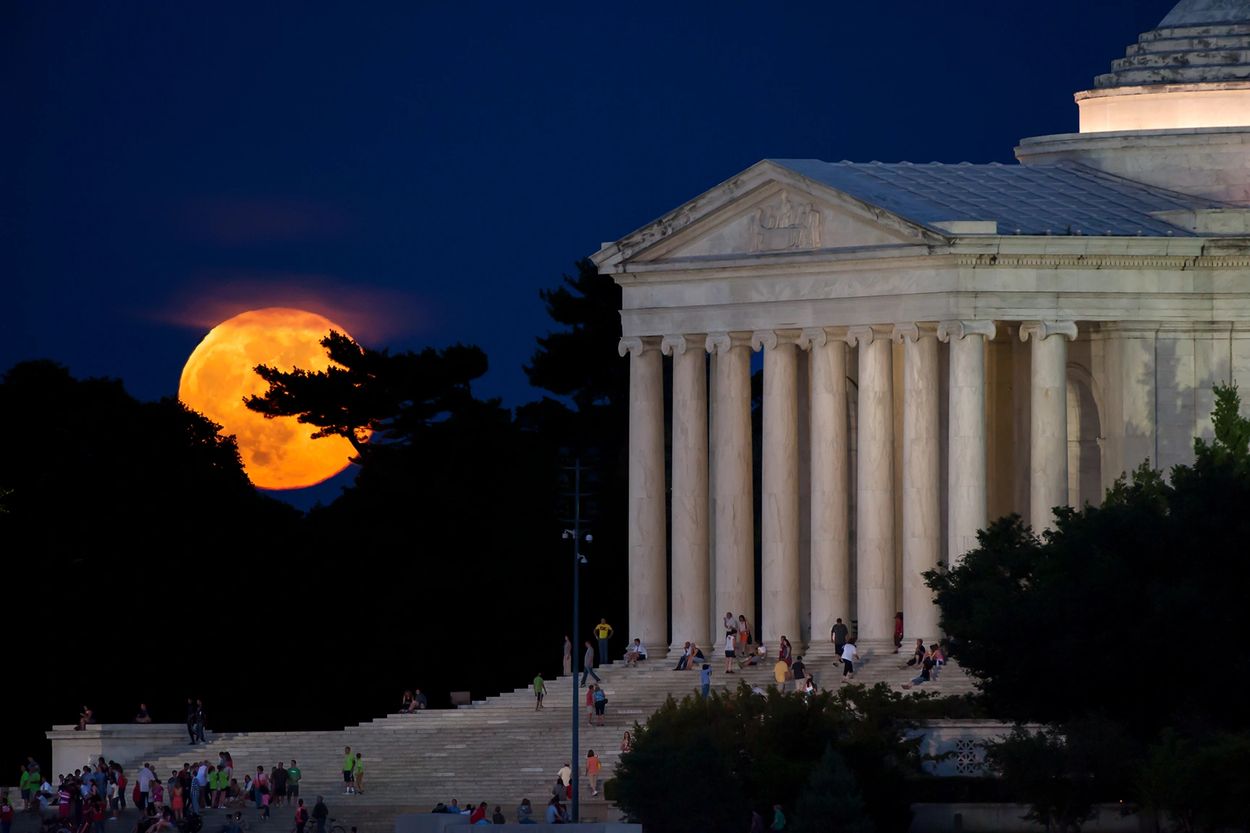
pixel 568 655
pixel 705 679
pixel 588 662
pixel 191 719
pixel 601 704
pixel 593 767
pixel 540 688
pixel 837 635
pixel 603 631
pixel 849 658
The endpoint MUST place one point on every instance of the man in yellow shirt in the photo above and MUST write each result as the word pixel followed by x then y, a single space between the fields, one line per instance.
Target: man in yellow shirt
pixel 602 632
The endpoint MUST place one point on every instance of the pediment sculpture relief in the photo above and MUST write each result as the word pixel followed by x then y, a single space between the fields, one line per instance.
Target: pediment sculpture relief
pixel 785 225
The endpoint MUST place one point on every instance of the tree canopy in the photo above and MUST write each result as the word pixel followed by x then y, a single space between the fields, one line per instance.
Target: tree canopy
pixel 751 751
pixel 1120 623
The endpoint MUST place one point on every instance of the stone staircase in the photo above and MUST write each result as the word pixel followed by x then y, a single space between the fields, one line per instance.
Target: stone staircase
pixel 500 750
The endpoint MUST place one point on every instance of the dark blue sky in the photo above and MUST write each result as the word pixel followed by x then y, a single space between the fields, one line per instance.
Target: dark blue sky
pixel 419 171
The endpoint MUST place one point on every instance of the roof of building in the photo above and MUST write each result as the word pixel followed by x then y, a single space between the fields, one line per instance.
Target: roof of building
pixel 1199 42
pixel 1066 198
pixel 1206 12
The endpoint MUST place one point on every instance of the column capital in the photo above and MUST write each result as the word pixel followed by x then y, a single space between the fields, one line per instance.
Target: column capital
pixel 637 345
pixel 810 337
pixel 678 345
pixel 772 339
pixel 1042 330
pixel 864 335
pixel 722 343
pixel 913 332
pixel 957 330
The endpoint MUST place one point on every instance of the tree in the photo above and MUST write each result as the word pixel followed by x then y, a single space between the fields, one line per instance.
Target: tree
pixel 704 764
pixel 364 392
pixel 1113 628
pixel 831 800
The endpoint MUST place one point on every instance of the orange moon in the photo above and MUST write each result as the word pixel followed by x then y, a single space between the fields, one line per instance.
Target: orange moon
pixel 277 453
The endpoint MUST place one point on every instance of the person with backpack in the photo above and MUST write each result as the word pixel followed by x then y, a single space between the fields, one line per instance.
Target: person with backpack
pixel 301 816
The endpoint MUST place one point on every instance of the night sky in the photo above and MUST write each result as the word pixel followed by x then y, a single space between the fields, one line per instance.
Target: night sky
pixel 419 171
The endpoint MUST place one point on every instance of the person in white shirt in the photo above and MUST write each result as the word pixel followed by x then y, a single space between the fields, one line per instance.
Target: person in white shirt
pixel 145 783
pixel 731 640
pixel 849 657
pixel 635 652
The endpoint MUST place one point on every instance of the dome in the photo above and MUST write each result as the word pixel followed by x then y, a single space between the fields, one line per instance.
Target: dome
pixel 1192 71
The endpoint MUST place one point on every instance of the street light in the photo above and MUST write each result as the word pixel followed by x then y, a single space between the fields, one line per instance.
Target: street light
pixel 578 561
pixel 575 535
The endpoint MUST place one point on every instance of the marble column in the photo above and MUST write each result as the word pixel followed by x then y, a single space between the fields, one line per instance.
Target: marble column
pixel 779 488
pixel 922 518
pixel 829 584
pixel 966 445
pixel 734 524
pixel 688 599
pixel 874 515
pixel 1048 418
pixel 648 571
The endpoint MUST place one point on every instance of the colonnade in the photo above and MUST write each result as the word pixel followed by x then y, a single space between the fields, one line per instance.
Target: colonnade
pixel 713 517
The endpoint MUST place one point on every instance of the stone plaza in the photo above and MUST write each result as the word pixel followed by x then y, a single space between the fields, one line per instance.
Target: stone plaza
pixel 942 345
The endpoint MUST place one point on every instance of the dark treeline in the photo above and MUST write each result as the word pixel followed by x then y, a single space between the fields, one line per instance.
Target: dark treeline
pixel 142 565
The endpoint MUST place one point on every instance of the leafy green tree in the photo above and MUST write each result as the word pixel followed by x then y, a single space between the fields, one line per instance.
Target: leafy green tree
pixel 1113 629
pixel 1122 610
pixel 749 752
pixel 831 800
pixel 1198 784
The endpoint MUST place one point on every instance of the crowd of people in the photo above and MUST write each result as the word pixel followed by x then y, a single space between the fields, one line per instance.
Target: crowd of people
pixel 83 800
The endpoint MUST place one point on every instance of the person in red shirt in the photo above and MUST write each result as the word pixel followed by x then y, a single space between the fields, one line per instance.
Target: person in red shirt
pixel 478 814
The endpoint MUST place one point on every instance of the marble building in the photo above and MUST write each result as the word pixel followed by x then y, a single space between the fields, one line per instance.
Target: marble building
pixel 941 345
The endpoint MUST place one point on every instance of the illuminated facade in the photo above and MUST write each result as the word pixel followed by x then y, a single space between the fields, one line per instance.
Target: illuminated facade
pixel 941 345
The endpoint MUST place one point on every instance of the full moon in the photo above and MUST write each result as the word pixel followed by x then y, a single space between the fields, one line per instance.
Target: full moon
pixel 277 453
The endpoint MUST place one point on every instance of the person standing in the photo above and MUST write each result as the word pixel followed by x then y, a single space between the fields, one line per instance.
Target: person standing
pixel 319 813
pixel 744 632
pixel 779 819
pixel 565 776
pixel 277 780
pixel 898 631
pixel 798 670
pixel 730 623
pixel 145 785
pixel 6 813
pixel 603 631
pixel 705 679
pixel 191 719
pixel 837 635
pixel 301 816
pixel 588 662
pixel 349 769
pixel 593 768
pixel 359 773
pixel 199 721
pixel 293 775
pixel 540 688
pixel 568 655
pixel 731 651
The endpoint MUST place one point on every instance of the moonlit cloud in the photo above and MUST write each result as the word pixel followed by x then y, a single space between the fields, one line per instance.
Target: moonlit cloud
pixel 372 315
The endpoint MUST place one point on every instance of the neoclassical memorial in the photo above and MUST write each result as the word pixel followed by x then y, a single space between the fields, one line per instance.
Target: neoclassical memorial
pixel 941 345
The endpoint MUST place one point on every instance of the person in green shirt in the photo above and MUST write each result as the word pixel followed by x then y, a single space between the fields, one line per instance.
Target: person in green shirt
pixel 540 688
pixel 293 775
pixel 349 770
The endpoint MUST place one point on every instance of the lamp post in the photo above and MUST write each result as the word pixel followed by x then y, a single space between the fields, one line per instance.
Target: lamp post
pixel 575 534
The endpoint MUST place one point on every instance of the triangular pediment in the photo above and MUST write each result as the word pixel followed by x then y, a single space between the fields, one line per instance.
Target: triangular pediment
pixel 767 209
